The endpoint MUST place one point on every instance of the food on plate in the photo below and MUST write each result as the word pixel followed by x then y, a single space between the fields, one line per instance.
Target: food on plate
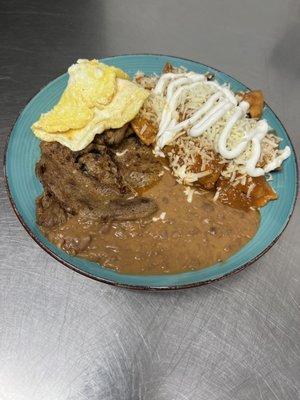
pixel 153 175
pixel 255 98
pixel 211 135
pixel 97 97
pixel 97 178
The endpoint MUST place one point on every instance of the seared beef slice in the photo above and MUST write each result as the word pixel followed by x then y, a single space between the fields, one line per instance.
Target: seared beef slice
pixel 69 181
pixel 98 180
pixel 137 164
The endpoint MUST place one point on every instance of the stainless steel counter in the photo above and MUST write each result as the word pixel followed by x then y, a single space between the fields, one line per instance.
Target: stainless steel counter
pixel 63 336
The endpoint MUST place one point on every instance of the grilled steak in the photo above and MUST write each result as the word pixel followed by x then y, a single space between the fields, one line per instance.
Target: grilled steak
pixel 97 180
pixel 136 163
pixel 125 210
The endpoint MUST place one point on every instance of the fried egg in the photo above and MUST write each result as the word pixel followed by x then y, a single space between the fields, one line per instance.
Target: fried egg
pixel 97 97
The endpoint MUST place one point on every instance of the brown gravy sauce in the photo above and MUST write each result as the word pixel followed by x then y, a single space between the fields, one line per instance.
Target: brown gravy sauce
pixel 190 237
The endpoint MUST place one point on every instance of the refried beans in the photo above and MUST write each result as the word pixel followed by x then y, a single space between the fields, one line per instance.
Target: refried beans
pixel 179 237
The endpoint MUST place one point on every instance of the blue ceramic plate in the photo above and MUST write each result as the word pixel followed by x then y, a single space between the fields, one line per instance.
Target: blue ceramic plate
pixel 23 186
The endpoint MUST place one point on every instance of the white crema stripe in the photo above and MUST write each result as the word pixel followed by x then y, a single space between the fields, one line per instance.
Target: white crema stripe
pixel 257 136
pixel 222 142
pixel 213 116
pixel 171 106
pixel 173 86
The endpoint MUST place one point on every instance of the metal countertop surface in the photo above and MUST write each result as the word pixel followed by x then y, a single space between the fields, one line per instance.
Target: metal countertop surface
pixel 66 337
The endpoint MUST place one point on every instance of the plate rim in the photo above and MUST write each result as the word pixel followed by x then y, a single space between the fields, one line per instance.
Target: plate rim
pixel 133 286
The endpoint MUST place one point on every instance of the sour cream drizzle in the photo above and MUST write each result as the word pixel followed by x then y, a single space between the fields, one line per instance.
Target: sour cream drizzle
pixel 217 105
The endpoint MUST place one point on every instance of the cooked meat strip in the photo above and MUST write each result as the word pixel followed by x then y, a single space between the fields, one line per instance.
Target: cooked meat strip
pixel 137 164
pixel 103 168
pixel 70 182
pixel 97 146
pixel 125 210
pixel 113 137
pixel 48 211
pixel 130 209
pixel 97 179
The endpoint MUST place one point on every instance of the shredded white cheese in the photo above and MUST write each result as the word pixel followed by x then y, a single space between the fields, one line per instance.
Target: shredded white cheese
pixel 160 218
pixel 250 189
pixel 189 192
pixel 217 194
pixel 118 154
pixel 186 152
pixel 192 158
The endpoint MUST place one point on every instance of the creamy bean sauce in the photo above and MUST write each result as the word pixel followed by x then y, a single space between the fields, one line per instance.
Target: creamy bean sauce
pixel 180 237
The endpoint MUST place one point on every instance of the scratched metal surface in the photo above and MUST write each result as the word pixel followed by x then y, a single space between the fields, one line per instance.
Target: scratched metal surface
pixel 63 336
